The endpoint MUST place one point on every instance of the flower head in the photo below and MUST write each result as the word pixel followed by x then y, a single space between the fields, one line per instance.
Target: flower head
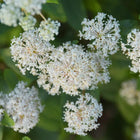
pixel 82 116
pixel 30 52
pixel 132 49
pixel 130 93
pixel 9 14
pixel 104 33
pixel 27 22
pixel 23 106
pixel 71 69
pixel 30 6
pixel 48 29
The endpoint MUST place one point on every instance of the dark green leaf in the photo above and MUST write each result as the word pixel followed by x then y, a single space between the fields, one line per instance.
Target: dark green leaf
pixel 11 78
pixel 55 11
pixel 75 12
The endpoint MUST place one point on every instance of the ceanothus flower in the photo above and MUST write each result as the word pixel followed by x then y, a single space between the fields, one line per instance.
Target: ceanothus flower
pixel 23 106
pixel 132 49
pixel 31 6
pixel 103 32
pixel 82 116
pixel 9 14
pixel 48 28
pixel 71 68
pixel 130 93
pixel 27 22
pixel 30 52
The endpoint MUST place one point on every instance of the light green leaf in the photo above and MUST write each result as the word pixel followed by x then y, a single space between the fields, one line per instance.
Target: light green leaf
pixel 53 1
pixel 26 138
pixel 7 121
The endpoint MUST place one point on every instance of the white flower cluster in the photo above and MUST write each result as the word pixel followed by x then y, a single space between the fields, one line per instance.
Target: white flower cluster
pixel 27 22
pixel 130 93
pixel 23 106
pixel 30 51
pixel 136 135
pixel 31 6
pixel 14 11
pixel 132 49
pixel 48 29
pixel 2 103
pixel 9 14
pixel 82 116
pixel 104 33
pixel 71 69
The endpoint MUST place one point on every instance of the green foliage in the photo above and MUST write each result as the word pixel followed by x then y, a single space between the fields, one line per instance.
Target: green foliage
pixel 75 12
pixel 7 121
pixel 53 1
pixel 50 119
pixel 26 138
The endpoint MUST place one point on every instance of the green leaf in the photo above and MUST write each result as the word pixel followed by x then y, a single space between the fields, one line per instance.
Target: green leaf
pixel 75 12
pixel 55 11
pixel 53 1
pixel 26 138
pixel 129 112
pixel 126 26
pixel 6 57
pixel 7 121
pixel 50 119
pixel 84 138
pixel 1 133
pixel 93 5
pixel 11 78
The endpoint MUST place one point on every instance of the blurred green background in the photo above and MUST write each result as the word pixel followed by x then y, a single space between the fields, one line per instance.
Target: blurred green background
pixel 117 122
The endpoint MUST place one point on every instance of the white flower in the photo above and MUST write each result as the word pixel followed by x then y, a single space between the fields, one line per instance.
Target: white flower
pixel 9 14
pixel 104 33
pixel 30 52
pixel 72 69
pixel 132 49
pixel 130 93
pixel 136 135
pixel 23 106
pixel 48 29
pixel 82 116
pixel 27 22
pixel 30 6
pixel 2 104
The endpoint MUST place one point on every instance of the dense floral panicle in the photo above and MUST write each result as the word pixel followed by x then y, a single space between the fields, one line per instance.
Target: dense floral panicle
pixel 136 135
pixel 23 106
pixel 82 116
pixel 132 49
pixel 9 14
pixel 48 29
pixel 71 69
pixel 27 22
pixel 104 33
pixel 30 52
pixel 30 6
pixel 129 92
